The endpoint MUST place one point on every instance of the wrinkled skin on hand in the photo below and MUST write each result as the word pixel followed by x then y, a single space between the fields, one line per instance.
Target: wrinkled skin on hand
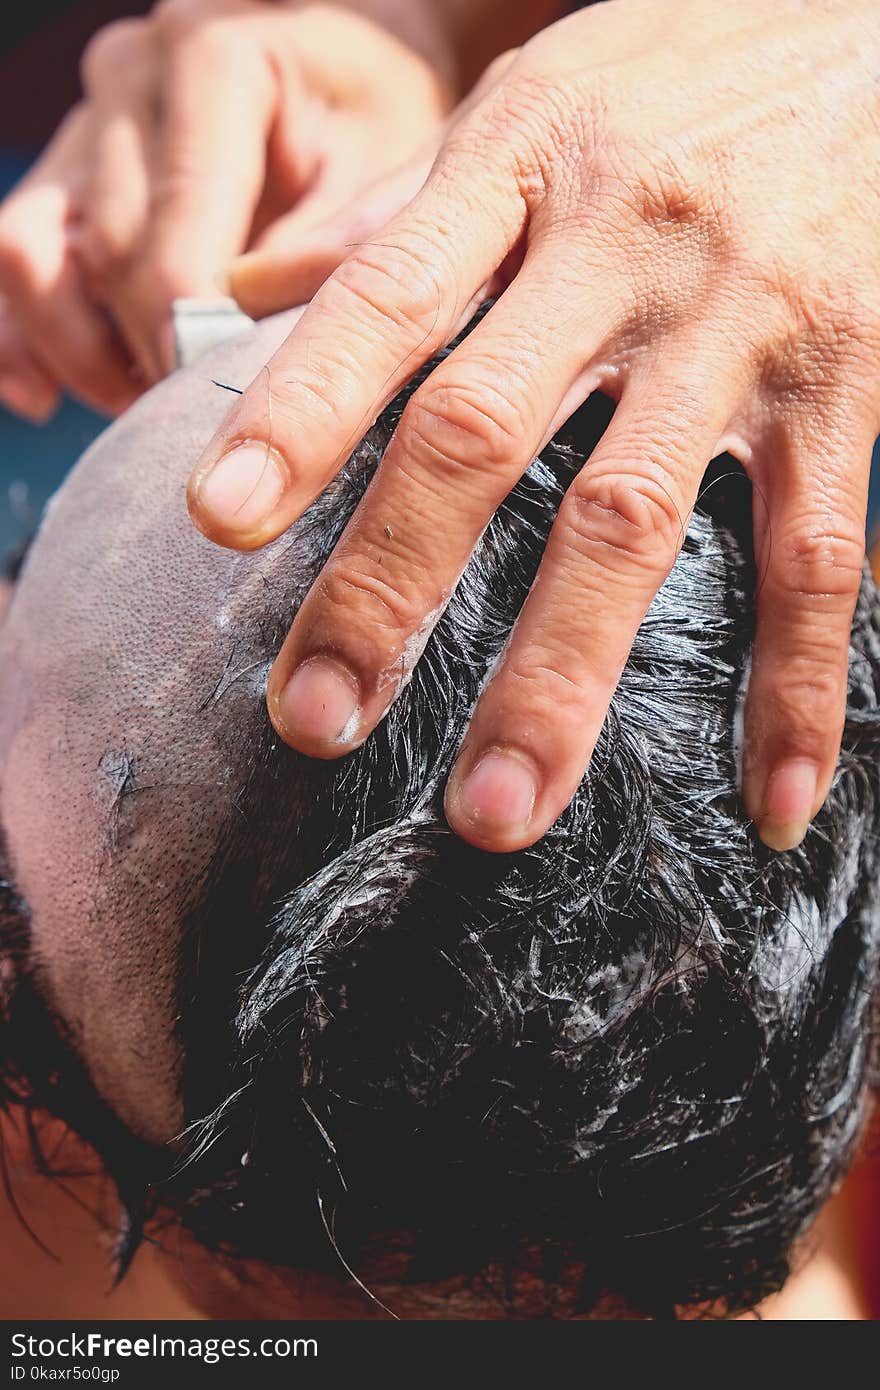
pixel 681 203
pixel 206 128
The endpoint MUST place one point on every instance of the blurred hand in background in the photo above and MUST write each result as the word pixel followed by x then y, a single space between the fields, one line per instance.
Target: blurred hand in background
pixel 209 127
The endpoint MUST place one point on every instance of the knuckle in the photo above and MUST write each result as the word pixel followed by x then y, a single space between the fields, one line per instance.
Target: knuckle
pixel 353 595
pixel 461 428
pixel 105 252
pixel 623 520
pixel 301 401
pixel 302 404
pixel 397 284
pixel 664 199
pixel 821 567
pixel 659 206
pixel 540 686
pixel 528 123
pixel 671 194
pixel 316 399
pixel 822 332
pixel 810 699
pixel 111 50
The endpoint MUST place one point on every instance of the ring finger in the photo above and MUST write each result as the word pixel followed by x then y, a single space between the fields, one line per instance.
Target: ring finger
pixel 616 537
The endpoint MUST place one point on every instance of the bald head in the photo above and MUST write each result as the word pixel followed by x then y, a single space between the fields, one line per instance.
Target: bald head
pixel 132 670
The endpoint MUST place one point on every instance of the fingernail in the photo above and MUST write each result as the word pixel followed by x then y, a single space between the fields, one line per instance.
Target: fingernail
pixel 243 488
pixel 788 803
pixel 499 792
pixel 28 398
pixel 320 703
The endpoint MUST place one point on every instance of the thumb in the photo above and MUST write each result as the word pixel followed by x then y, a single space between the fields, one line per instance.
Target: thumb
pixel 294 256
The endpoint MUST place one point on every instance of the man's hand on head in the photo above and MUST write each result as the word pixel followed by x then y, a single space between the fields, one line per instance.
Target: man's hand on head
pixel 682 202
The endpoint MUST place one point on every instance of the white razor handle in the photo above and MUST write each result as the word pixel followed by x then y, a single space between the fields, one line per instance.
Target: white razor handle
pixel 200 324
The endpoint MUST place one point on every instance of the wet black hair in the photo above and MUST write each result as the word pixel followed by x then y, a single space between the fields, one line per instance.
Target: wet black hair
pixel 639 1051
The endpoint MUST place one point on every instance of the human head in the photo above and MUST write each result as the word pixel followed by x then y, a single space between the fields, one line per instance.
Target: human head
pixel 289 1006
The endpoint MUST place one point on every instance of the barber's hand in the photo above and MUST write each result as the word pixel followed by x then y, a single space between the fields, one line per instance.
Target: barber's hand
pixel 685 200
pixel 201 128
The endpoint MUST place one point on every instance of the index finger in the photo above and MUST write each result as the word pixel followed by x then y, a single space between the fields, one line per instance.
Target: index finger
pixel 208 168
pixel 389 307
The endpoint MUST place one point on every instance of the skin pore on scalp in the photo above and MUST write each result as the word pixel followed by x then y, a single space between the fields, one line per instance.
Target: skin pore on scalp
pixel 317 1029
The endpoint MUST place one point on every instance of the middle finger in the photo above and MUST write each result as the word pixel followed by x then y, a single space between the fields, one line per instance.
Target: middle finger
pixel 465 438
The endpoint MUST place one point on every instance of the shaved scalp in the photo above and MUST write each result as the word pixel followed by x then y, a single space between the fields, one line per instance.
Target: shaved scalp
pixel 126 665
pixel 633 1058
